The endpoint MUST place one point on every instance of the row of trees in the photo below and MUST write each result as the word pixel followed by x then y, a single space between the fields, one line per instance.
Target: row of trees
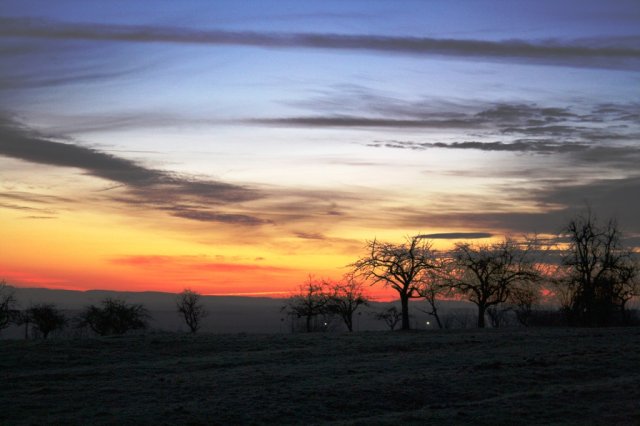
pixel 110 317
pixel 324 298
pixel 589 270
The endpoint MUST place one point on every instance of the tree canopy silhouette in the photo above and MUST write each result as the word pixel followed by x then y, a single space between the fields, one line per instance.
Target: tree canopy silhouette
pixel 435 285
pixel 45 318
pixel 487 273
pixel 391 316
pixel 345 297
pixel 598 273
pixel 188 304
pixel 399 266
pixel 311 300
pixel 114 316
pixel 8 303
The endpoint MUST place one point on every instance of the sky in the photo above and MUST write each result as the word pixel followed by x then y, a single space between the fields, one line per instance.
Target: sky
pixel 237 147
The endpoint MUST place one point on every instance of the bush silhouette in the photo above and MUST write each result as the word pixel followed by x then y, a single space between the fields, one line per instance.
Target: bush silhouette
pixel 7 305
pixel 114 316
pixel 45 318
pixel 189 306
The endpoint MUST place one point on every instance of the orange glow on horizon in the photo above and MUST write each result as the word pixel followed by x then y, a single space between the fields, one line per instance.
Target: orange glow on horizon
pixel 86 249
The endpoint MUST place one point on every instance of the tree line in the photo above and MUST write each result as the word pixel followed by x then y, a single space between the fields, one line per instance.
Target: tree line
pixel 587 269
pixel 111 316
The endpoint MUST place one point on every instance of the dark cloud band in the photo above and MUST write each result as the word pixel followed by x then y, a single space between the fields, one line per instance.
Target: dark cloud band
pixel 145 186
pixel 457 235
pixel 346 121
pixel 591 53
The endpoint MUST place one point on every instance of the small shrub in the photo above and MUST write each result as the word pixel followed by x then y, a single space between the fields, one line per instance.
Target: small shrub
pixel 114 316
pixel 45 319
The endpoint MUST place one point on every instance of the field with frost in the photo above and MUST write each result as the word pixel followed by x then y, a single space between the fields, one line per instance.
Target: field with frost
pixel 479 377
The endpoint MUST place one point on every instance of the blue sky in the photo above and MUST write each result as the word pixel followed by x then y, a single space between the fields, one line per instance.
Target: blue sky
pixel 336 120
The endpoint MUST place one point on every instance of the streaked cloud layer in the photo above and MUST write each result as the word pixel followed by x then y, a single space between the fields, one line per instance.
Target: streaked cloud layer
pixel 236 148
pixel 623 53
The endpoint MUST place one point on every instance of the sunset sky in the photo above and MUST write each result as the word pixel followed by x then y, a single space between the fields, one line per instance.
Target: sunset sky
pixel 234 147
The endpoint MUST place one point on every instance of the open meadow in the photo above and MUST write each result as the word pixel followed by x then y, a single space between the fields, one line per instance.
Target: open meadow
pixel 480 377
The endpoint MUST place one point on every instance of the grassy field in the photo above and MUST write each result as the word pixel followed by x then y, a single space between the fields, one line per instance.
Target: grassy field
pixel 479 377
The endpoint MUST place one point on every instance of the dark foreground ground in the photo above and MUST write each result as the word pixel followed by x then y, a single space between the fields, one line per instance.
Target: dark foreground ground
pixel 490 377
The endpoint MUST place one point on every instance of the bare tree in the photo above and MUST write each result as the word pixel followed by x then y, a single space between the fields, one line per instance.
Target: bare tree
pixel 498 314
pixel 345 297
pixel 435 285
pixel 45 318
pixel 523 298
pixel 486 273
pixel 399 266
pixel 23 319
pixel 629 287
pixel 391 316
pixel 597 271
pixel 188 304
pixel 311 300
pixel 114 316
pixel 7 305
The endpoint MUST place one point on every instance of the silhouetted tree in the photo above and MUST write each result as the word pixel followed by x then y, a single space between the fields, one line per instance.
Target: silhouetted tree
pixel 7 305
pixel 23 319
pixel 399 266
pixel 597 272
pixel 45 318
pixel 523 298
pixel 435 284
pixel 487 273
pixel 188 304
pixel 345 297
pixel 628 289
pixel 391 316
pixel 114 316
pixel 311 300
pixel 498 314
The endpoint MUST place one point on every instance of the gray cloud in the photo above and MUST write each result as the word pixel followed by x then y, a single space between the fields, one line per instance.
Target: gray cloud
pixel 625 158
pixel 34 198
pixel 144 186
pixel 558 203
pixel 512 126
pixel 606 53
pixel 122 121
pixel 141 187
pixel 609 197
pixel 524 113
pixel 26 79
pixel 606 136
pixel 353 99
pixel 39 217
pixel 346 121
pixel 210 216
pixel 310 235
pixel 521 145
pixel 25 208
pixel 457 235
pixel 32 202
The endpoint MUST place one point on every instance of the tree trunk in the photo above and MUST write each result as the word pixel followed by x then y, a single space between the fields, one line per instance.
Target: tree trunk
pixel 404 300
pixel 437 317
pixel 348 320
pixel 308 323
pixel 481 312
pixel 434 311
pixel 623 313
